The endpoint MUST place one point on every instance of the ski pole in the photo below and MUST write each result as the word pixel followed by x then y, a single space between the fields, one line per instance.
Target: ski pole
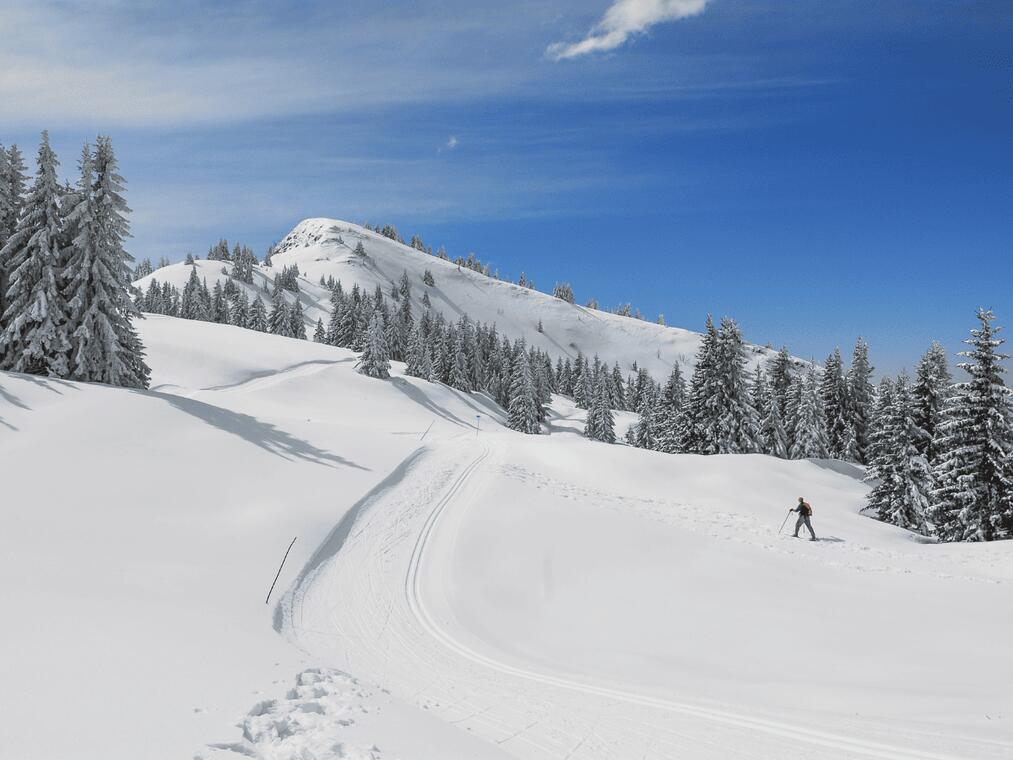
pixel 279 570
pixel 785 521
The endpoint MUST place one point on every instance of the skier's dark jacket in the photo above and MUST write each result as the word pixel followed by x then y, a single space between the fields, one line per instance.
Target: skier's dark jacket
pixel 804 509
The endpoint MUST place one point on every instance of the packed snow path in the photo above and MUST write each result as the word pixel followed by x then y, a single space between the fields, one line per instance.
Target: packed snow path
pixel 371 601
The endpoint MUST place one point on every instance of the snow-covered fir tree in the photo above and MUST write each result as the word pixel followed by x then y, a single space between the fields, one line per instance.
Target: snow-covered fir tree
pixel 522 412
pixel 809 430
pixel 834 394
pixel 35 338
pixel 105 347
pixel 698 433
pixel 279 322
pixel 901 495
pixel 860 398
pixel 773 440
pixel 297 321
pixel 258 315
pixel 731 407
pixel 319 334
pixel 669 410
pixel 375 360
pixel 931 389
pixel 600 424
pixel 973 499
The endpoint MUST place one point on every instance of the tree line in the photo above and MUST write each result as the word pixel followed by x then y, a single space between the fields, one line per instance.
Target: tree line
pixel 65 293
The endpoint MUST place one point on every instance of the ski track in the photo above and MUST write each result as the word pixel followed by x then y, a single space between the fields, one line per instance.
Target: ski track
pixel 364 610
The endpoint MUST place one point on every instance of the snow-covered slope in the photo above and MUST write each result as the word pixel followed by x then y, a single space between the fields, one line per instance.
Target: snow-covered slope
pixel 325 248
pixel 489 594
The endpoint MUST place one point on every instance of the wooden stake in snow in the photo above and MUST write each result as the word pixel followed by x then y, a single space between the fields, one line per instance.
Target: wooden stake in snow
pixel 278 575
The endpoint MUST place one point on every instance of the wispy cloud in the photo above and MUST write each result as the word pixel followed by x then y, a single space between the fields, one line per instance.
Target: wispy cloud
pixel 450 144
pixel 622 20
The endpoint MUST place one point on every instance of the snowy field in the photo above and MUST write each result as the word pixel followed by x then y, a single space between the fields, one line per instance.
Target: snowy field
pixel 453 592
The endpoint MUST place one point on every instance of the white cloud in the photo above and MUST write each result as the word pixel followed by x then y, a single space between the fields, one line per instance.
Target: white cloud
pixel 451 142
pixel 622 20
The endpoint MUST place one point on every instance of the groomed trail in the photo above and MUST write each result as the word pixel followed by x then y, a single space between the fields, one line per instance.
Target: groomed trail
pixel 373 601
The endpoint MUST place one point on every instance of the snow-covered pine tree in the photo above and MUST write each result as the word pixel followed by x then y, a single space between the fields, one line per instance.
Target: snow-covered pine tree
pixel 901 495
pixel 860 397
pixel 973 499
pixel 522 411
pixel 879 421
pixel 730 406
pixel 428 279
pixel 697 425
pixel 415 365
pixel 810 441
pixel 773 440
pixel 375 361
pixel 670 406
pixel 834 394
pixel 279 322
pixel 297 321
pixel 646 434
pixel 600 424
pixel 105 347
pixel 240 311
pixel 405 286
pixel 397 335
pixel 219 305
pixel 12 191
pixel 319 334
pixel 34 338
pixel 931 389
pixel 258 315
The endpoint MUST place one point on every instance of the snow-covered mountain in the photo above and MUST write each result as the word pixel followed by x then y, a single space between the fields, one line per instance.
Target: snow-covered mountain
pixel 325 248
pixel 456 590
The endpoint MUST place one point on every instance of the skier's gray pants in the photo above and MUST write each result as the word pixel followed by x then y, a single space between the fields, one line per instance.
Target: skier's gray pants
pixel 804 520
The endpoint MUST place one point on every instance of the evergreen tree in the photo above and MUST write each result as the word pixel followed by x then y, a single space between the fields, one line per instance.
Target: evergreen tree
pixel 810 441
pixel 600 425
pixel 258 315
pixel 522 412
pixel 219 305
pixel 240 312
pixel 931 389
pixel 773 440
pixel 730 407
pixel 834 394
pixel 647 433
pixel 297 321
pixel 35 339
pixel 279 322
pixel 697 433
pixel 374 361
pixel 901 495
pixel 320 335
pixel 12 191
pixel 105 347
pixel 670 410
pixel 860 398
pixel 973 499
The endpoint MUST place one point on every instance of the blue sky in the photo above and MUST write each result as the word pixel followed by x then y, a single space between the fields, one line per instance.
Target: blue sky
pixel 818 170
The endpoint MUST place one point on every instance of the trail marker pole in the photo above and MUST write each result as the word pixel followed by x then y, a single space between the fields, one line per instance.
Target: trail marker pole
pixel 478 422
pixel 278 574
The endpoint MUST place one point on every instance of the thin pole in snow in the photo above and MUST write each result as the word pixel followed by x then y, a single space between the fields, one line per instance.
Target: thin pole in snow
pixel 278 575
pixel 785 521
pixel 478 422
pixel 428 429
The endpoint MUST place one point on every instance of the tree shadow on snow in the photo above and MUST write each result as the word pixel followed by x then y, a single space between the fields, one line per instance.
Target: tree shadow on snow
pixel 260 434
pixel 417 395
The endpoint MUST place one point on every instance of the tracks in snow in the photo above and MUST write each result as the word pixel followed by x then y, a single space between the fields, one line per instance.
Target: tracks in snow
pixel 366 607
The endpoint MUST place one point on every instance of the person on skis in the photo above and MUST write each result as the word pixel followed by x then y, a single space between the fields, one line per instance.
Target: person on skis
pixel 804 513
